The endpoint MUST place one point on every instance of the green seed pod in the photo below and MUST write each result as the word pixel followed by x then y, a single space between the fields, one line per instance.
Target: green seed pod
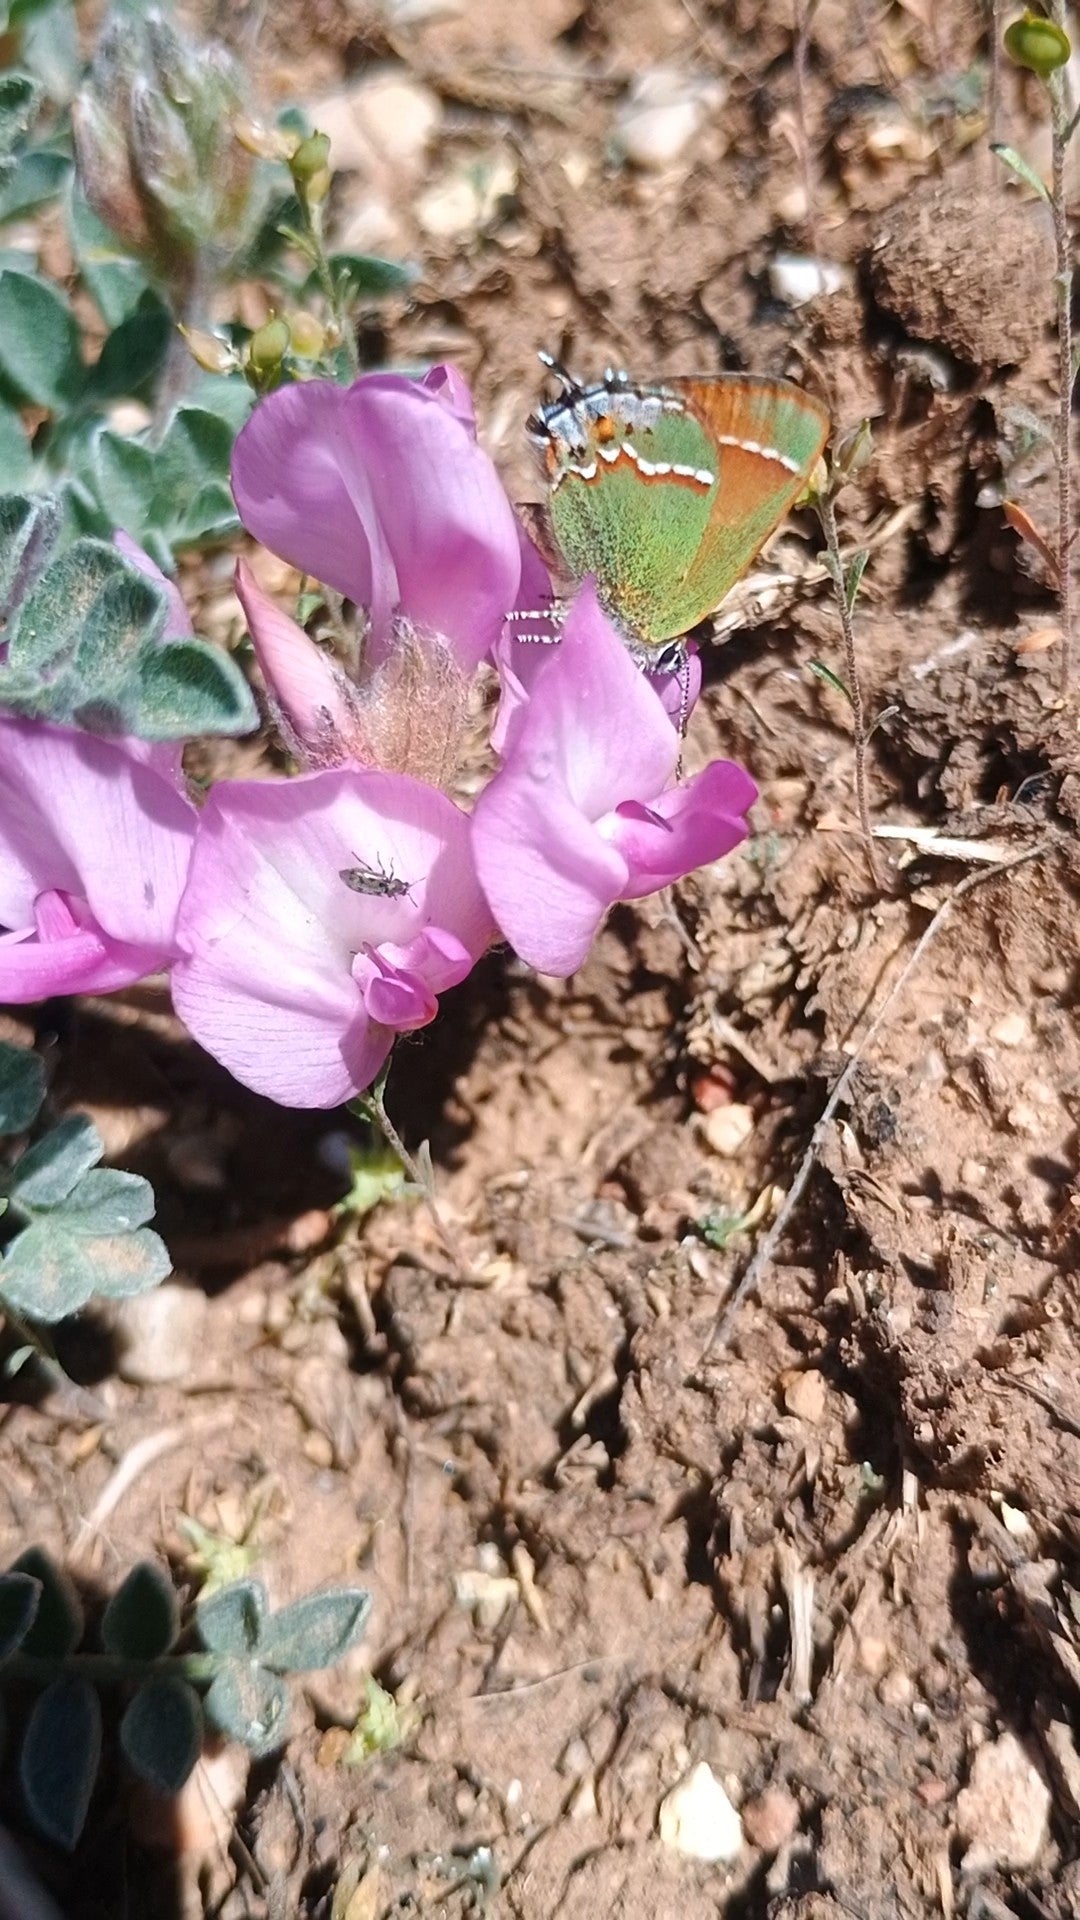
pixel 1037 43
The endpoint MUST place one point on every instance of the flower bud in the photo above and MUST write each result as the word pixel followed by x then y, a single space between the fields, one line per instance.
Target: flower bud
pixel 308 337
pixel 209 351
pixel 156 151
pixel 266 354
pixel 310 158
pixel 1037 43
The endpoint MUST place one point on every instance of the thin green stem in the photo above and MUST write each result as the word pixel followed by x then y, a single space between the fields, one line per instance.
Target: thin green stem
pixel 111 1669
pixel 371 1106
pixel 827 516
pixel 313 224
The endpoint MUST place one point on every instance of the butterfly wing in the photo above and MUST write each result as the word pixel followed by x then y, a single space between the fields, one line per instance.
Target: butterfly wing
pixel 766 437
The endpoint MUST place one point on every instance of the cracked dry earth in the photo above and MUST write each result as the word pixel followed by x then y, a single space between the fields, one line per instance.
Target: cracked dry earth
pixel 834 1553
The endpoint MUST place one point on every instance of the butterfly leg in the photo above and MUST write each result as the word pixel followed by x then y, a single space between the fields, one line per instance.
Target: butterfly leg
pixel 554 615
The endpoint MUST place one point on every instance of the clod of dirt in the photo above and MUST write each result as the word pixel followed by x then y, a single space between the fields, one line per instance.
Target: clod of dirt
pixel 770 1819
pixel 698 1819
pixel 928 269
pixel 1004 1810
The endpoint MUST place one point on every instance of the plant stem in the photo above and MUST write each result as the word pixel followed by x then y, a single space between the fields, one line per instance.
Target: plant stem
pixel 313 221
pixel 827 516
pixel 371 1106
pixel 1060 114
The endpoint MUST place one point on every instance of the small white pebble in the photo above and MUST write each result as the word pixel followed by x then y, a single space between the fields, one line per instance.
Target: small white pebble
pixel 727 1129
pixel 698 1819
pixel 795 278
pixel 1011 1030
pixel 660 116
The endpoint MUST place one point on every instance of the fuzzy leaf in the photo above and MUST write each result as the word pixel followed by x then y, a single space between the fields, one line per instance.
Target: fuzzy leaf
pixel 191 687
pixel 108 1201
pixel 16 454
pixel 20 97
pixel 249 1704
pixel 133 353
pixel 54 1165
pixel 65 606
pixel 49 1273
pixel 142 1619
pixel 161 1732
pixel 22 1087
pixel 33 180
pixel 58 1622
pixel 231 1621
pixel 59 1760
pixel 29 530
pixel 39 342
pixel 116 283
pixel 20 1595
pixel 315 1631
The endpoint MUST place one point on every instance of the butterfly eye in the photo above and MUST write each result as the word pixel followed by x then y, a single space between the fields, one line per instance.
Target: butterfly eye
pixel 670 658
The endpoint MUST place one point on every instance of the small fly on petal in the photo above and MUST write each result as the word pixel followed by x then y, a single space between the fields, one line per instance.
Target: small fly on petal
pixel 381 881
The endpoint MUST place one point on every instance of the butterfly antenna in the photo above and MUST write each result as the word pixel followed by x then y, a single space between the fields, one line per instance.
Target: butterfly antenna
pixel 566 380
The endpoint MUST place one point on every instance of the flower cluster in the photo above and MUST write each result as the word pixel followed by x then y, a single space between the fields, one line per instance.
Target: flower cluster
pixel 307 921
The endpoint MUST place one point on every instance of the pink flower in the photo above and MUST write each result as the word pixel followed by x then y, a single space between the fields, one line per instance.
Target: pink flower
pixel 581 814
pixel 322 917
pixel 380 491
pixel 94 850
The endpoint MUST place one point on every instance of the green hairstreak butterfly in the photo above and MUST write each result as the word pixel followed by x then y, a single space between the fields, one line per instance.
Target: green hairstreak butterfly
pixel 665 492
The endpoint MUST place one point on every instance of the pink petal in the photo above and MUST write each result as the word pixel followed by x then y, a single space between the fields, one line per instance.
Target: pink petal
pixel 549 875
pixel 270 931
pixel 299 675
pixel 85 818
pixel 380 491
pixel 687 827
pixel 303 489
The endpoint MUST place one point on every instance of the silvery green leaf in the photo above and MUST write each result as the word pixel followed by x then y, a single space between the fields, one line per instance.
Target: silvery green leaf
pixel 58 1622
pixel 53 1166
pixel 22 1087
pixel 315 1631
pixel 161 1732
pixel 48 1272
pixel 142 1618
pixel 29 529
pixel 59 1760
pixel 249 1704
pixel 231 1620
pixel 40 358
pixel 20 1595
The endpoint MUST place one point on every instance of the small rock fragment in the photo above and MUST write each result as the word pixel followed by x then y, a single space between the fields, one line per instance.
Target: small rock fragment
pixel 698 1819
pixel 1003 1813
pixel 660 116
pixel 160 1334
pixel 804 1394
pixel 770 1819
pixel 1011 1031
pixel 796 278
pixel 727 1129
